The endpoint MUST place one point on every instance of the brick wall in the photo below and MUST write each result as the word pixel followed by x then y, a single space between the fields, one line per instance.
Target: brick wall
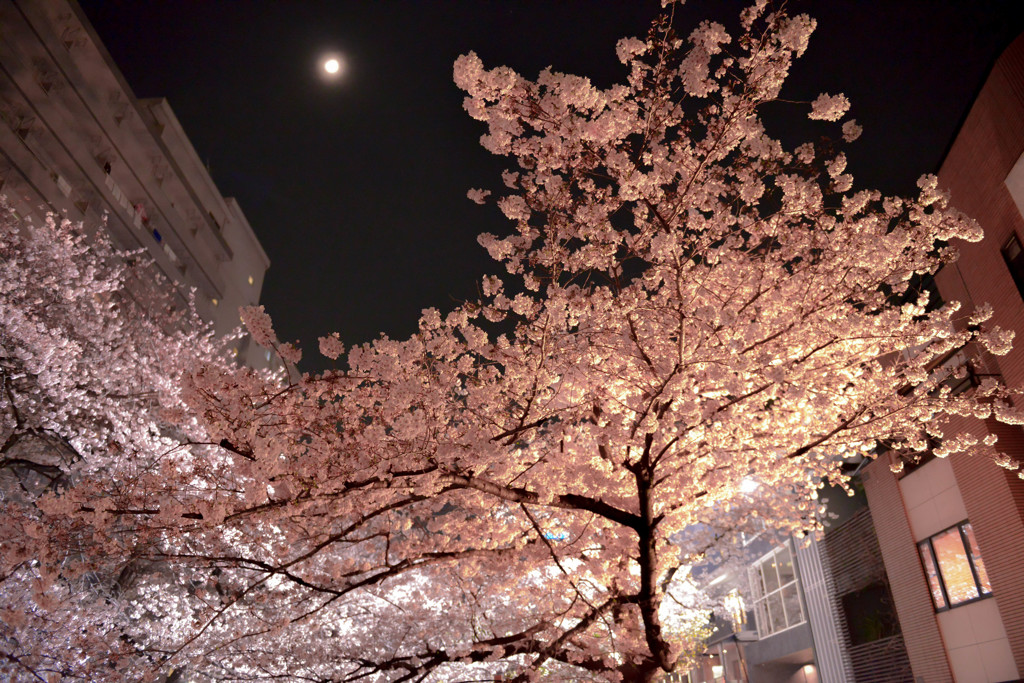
pixel 986 149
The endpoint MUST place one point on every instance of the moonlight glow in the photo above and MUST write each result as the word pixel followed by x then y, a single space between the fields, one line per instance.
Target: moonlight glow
pixel 331 66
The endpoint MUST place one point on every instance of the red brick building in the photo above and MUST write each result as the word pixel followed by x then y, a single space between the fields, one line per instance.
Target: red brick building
pixel 951 530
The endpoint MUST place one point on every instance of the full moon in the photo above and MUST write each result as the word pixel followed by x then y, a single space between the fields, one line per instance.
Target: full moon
pixel 332 66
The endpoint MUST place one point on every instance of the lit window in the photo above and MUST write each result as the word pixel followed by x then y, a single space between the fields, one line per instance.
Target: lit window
pixel 776 592
pixel 952 562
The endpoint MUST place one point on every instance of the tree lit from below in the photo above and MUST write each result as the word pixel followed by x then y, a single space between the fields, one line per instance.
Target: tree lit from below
pixel 689 329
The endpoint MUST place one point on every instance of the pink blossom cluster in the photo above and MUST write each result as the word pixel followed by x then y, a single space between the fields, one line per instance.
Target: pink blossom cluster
pixel 692 328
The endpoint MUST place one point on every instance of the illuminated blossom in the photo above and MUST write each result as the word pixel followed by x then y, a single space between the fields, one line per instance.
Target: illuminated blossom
pixel 981 314
pixel 998 341
pixel 829 107
pixel 258 323
pixel 628 48
pixel 94 423
pixel 681 305
pixel 331 346
pixel 851 130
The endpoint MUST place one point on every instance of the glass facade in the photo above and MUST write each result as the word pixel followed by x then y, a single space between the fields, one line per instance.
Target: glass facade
pixel 776 592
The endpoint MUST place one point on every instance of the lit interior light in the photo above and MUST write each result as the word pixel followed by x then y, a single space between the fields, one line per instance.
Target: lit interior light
pixel 250 279
pixel 215 302
pixel 332 66
pixel 734 605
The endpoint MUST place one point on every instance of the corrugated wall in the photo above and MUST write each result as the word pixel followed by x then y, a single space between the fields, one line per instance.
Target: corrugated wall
pixel 854 570
pixel 826 625
pixel 853 561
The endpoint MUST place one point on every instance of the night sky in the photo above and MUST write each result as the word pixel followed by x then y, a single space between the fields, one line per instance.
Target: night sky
pixel 357 188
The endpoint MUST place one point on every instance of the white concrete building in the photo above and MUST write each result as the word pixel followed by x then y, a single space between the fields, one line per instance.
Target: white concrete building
pixel 74 139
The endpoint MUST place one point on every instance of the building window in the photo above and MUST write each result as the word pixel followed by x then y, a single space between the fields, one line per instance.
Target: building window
pixel 776 592
pixel 952 562
pixel 1013 254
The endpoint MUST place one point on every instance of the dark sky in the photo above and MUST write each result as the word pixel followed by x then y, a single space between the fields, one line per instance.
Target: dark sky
pixel 357 189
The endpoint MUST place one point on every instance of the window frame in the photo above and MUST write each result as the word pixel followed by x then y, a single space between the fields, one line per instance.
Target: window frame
pixel 928 546
pixel 761 596
pixel 1014 264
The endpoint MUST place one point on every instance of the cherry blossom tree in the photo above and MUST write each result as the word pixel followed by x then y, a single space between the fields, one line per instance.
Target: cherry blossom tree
pixel 92 419
pixel 694 329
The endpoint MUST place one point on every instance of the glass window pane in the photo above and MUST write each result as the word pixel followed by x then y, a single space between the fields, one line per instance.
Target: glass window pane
pixel 933 577
pixel 979 565
pixel 1012 249
pixel 956 572
pixel 784 560
pixel 791 600
pixel 756 583
pixel 771 577
pixel 761 615
pixel 776 613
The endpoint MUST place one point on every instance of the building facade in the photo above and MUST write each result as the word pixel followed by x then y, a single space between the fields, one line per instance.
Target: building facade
pixel 781 624
pixel 76 141
pixel 951 531
pixel 921 579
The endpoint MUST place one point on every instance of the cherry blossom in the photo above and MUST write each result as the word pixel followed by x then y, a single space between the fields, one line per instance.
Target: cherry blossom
pixel 691 329
pixel 829 107
pixel 852 130
pixel 92 427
